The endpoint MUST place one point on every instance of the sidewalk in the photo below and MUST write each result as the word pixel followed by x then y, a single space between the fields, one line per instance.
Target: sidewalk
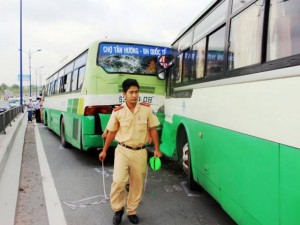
pixel 11 148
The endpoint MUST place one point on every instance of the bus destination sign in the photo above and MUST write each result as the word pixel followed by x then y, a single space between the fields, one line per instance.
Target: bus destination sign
pixel 137 50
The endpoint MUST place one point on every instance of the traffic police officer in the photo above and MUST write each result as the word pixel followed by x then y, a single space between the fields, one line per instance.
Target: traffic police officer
pixel 130 124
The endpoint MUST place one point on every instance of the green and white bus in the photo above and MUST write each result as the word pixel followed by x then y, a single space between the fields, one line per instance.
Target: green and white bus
pixel 81 94
pixel 232 112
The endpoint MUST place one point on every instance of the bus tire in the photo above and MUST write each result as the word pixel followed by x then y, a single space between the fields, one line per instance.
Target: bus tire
pixel 185 158
pixel 62 134
pixel 190 179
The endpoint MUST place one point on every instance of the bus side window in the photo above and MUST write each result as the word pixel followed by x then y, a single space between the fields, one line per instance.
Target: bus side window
pixel 74 80
pixel 48 89
pixel 245 37
pixel 283 29
pixel 64 83
pixel 178 69
pixel 61 85
pixel 215 52
pixel 186 71
pixel 57 86
pixel 81 74
pixel 67 82
pixel 45 90
pixel 198 59
pixel 54 87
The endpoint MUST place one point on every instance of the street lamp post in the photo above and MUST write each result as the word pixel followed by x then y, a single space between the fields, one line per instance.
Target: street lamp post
pixel 21 66
pixel 36 75
pixel 29 58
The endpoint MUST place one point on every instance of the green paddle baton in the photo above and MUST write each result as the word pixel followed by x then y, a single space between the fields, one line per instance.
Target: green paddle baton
pixel 155 163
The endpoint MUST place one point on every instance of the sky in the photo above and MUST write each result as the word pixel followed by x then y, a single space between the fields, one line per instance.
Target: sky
pixel 63 27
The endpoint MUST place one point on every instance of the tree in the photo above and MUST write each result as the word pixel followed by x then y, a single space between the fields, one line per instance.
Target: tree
pixel 3 87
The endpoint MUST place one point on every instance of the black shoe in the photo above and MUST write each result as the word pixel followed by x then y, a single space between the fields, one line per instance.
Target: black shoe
pixel 118 217
pixel 133 219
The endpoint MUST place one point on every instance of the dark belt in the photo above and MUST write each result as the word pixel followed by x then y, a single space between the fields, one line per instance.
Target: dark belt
pixel 132 148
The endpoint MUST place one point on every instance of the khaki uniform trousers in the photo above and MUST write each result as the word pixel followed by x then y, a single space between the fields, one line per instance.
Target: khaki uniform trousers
pixel 129 165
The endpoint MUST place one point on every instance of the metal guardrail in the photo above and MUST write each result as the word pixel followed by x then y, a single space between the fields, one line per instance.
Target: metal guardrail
pixel 7 117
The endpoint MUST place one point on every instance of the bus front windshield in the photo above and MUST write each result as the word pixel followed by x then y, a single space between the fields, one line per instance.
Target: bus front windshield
pixel 129 58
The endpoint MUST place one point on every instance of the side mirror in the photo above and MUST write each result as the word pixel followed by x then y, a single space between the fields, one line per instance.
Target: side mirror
pixel 166 61
pixel 162 75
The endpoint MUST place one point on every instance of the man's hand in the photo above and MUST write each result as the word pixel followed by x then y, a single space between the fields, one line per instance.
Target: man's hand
pixel 102 156
pixel 108 140
pixel 157 153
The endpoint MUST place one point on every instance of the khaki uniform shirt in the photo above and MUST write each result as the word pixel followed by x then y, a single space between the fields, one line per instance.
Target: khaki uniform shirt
pixel 132 128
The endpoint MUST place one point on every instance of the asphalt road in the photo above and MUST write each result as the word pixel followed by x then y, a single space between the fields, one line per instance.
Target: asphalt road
pixel 75 189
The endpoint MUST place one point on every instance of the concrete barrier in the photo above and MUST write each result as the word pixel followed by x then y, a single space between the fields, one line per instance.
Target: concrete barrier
pixel 11 149
pixel 7 140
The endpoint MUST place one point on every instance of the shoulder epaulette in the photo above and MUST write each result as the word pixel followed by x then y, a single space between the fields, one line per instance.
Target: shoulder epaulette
pixel 145 104
pixel 118 108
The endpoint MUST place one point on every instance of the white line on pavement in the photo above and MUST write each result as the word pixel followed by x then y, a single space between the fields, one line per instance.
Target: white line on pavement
pixel 54 208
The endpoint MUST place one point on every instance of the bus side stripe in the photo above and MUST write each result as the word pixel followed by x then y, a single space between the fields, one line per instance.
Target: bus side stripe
pixel 80 109
pixel 75 105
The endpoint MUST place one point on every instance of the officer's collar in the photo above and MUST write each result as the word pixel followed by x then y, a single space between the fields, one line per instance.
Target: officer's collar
pixel 137 107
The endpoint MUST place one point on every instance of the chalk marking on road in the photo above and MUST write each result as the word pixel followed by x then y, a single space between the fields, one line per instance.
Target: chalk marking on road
pixel 61 147
pixel 106 172
pixel 84 202
pixel 188 193
pixel 54 209
pixel 74 205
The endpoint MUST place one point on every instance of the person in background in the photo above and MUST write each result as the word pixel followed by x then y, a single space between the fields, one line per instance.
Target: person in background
pixel 41 109
pixel 29 109
pixel 130 124
pixel 37 110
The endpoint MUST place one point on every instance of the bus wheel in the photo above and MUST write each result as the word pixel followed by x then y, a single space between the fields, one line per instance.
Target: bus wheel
pixel 62 134
pixel 187 166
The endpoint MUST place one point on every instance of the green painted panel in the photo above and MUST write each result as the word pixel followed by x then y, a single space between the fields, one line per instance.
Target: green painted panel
pixel 104 118
pixel 289 185
pixel 240 171
pixel 75 105
pixel 161 118
pixel 54 118
pixel 245 169
pixel 249 175
pixel 168 140
pixel 88 125
pixel 91 141
pixel 70 102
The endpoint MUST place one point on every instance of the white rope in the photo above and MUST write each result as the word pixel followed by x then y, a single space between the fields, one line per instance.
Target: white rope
pixel 103 178
pixel 80 203
pixel 84 202
pixel 146 179
pixel 104 189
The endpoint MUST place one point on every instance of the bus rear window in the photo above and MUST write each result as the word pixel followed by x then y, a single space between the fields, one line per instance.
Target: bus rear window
pixel 127 58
